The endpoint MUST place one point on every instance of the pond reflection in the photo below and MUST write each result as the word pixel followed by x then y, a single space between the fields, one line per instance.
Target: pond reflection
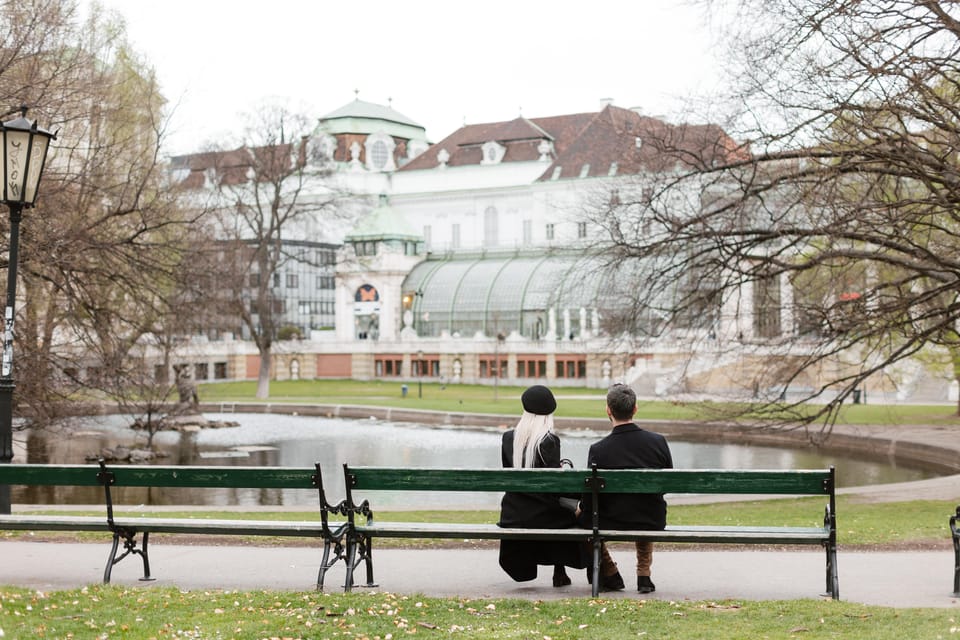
pixel 282 440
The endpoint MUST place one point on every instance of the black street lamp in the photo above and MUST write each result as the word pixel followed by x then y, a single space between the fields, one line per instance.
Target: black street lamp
pixel 23 152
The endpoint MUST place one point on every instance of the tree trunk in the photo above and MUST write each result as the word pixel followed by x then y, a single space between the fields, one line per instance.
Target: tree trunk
pixel 263 379
pixel 958 399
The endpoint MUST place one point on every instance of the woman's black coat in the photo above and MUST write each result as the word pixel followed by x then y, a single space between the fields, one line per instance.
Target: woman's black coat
pixel 519 558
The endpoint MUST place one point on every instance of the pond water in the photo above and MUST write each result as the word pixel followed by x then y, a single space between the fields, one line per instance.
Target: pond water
pixel 282 440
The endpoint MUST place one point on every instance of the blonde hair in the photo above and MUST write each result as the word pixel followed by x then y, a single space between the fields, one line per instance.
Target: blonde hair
pixel 529 432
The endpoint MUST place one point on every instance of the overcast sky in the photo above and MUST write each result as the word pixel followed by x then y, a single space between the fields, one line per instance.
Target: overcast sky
pixel 442 63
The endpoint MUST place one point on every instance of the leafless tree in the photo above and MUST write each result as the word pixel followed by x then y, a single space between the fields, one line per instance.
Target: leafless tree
pixel 274 187
pixel 834 222
pixel 103 253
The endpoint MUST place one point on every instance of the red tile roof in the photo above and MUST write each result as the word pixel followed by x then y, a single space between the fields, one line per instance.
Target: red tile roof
pixel 595 139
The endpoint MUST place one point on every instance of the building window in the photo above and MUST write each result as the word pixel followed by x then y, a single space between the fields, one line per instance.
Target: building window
pixel 527 232
pixel 571 367
pixel 325 282
pixel 219 370
pixel 532 368
pixel 201 371
pixel 491 223
pixel 307 307
pixel 254 280
pixel 426 367
pixel 492 153
pixel 550 231
pixel 379 154
pixel 293 281
pixel 389 366
pixel 366 248
pixel 379 148
pixel 490 366
pixel 766 307
pixel 276 279
pixel 581 229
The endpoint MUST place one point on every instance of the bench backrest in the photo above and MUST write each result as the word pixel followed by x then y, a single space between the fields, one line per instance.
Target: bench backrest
pixel 787 482
pixel 161 476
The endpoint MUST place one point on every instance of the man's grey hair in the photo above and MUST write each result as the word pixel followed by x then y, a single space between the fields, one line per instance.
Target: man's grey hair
pixel 621 401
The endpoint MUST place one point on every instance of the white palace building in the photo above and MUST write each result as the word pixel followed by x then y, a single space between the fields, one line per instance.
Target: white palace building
pixel 468 262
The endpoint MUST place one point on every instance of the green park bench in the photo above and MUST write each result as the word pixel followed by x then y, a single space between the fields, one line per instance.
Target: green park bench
pixel 363 527
pixel 126 529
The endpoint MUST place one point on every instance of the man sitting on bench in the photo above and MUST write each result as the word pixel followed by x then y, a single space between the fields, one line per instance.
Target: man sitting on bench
pixel 627 447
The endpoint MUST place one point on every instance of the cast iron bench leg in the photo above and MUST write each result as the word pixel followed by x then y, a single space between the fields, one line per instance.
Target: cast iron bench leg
pixel 350 562
pixel 833 579
pixel 146 558
pixel 368 559
pixel 112 558
pixel 359 550
pixel 129 546
pixel 326 563
pixel 595 587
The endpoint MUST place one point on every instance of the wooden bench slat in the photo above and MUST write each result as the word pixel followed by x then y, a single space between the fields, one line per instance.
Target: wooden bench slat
pixel 770 535
pixel 53 523
pixel 566 481
pixel 160 476
pixel 801 482
pixel 464 531
pixel 214 477
pixel 226 527
pixel 49 474
pixel 168 525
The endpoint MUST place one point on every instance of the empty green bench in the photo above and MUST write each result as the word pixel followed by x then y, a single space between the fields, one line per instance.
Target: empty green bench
pixel 126 530
pixel 363 527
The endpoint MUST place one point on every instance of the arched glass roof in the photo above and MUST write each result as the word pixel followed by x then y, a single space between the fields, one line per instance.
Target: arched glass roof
pixel 504 293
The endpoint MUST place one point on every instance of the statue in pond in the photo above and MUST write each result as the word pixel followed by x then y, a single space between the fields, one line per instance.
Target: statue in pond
pixel 187 390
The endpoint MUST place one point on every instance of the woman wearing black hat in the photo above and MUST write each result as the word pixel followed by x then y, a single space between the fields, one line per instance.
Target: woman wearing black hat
pixel 534 444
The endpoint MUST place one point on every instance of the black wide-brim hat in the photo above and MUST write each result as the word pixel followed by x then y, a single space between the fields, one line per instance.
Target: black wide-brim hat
pixel 538 400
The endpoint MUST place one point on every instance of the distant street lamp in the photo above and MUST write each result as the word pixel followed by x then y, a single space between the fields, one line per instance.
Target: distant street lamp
pixel 23 152
pixel 420 374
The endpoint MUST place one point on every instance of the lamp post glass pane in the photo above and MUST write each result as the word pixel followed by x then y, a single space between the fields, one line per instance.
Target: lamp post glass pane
pixel 38 154
pixel 16 144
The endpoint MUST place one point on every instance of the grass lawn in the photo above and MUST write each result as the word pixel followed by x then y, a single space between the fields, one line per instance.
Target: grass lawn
pixel 142 613
pixel 574 402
